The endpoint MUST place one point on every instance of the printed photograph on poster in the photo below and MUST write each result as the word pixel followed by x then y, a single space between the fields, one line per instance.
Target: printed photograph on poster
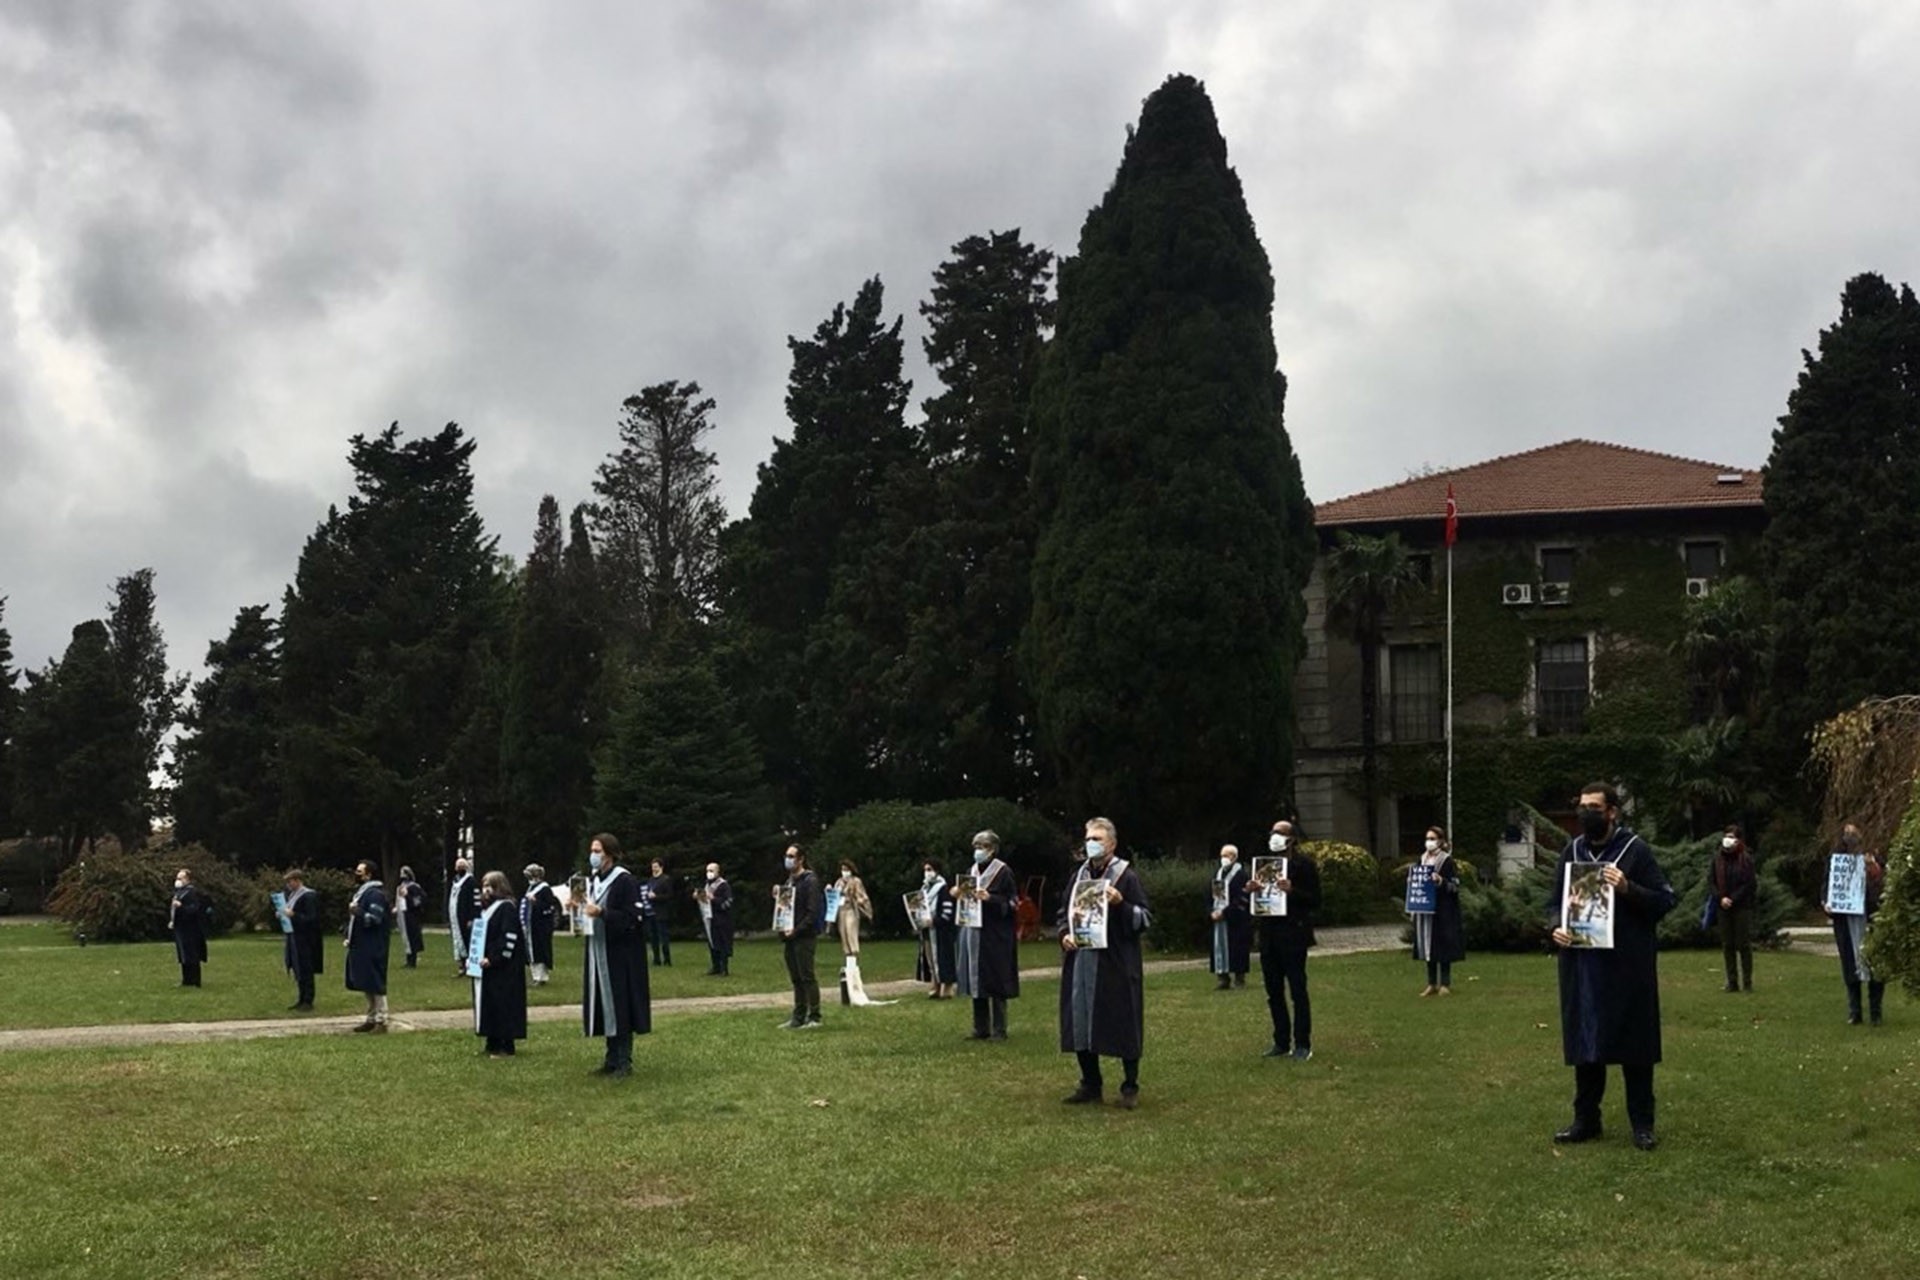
pixel 782 908
pixel 1264 895
pixel 1586 905
pixel 573 901
pixel 1219 897
pixel 1847 884
pixel 967 910
pixel 1087 915
pixel 1422 891
pixel 917 910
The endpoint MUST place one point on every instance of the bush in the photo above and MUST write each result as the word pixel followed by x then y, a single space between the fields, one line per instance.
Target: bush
pixel 1687 868
pixel 1181 897
pixel 112 896
pixel 1350 881
pixel 889 839
pixel 28 870
pixel 1893 940
pixel 333 887
pixel 1509 916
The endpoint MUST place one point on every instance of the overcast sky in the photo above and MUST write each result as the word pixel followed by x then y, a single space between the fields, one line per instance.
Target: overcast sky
pixel 234 234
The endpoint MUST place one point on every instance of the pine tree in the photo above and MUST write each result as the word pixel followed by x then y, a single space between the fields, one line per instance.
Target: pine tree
pixel 226 765
pixel 1843 486
pixel 546 744
pixel 80 744
pixel 1175 537
pixel 9 728
pixel 140 653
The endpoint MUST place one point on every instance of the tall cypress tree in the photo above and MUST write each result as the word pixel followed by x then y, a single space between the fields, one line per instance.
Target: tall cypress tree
pixel 1843 489
pixel 80 743
pixel 226 765
pixel 140 654
pixel 1175 536
pixel 9 728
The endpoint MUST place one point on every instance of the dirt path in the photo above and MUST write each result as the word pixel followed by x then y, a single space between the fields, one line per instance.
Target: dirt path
pixel 1333 942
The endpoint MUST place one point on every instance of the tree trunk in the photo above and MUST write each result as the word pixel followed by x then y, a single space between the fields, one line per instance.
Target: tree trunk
pixel 1369 739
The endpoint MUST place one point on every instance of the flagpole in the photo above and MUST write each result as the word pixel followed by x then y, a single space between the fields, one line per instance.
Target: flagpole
pixel 1452 532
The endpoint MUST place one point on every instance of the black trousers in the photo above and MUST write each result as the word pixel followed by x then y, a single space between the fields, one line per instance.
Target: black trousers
pixel 1590 1087
pixel 1439 973
pixel 303 980
pixel 1736 944
pixel 1090 1071
pixel 717 958
pixel 190 974
pixel 619 1049
pixel 501 1044
pixel 1284 971
pixel 806 987
pixel 989 1016
pixel 659 939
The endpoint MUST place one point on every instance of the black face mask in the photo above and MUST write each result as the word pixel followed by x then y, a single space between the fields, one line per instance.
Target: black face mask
pixel 1593 823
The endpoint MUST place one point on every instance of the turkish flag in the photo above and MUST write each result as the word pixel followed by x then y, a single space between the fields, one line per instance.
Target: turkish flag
pixel 1453 516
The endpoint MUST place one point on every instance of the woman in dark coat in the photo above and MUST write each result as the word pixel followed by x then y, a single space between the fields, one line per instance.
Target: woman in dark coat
pixel 1102 1001
pixel 1232 925
pixel 1734 886
pixel 716 913
pixel 937 963
pixel 539 913
pixel 369 930
pixel 1437 937
pixel 188 917
pixel 616 1003
pixel 989 956
pixel 500 992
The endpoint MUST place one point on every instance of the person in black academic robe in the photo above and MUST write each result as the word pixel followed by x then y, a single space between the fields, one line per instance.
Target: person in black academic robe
pixel 1102 994
pixel 188 916
pixel 1438 937
pixel 539 913
pixel 500 992
pixel 409 906
pixel 463 907
pixel 716 914
pixel 1232 933
pixel 1284 943
pixel 369 931
pixel 937 963
pixel 988 958
pixel 305 956
pixel 616 1003
pixel 1610 997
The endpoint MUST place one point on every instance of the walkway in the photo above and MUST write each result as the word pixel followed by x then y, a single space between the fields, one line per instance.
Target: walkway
pixel 1333 941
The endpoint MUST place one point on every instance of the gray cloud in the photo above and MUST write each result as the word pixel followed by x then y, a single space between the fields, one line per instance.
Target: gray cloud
pixel 234 235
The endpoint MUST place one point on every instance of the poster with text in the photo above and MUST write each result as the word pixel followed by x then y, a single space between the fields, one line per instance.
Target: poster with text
pixel 1422 891
pixel 1847 884
pixel 967 909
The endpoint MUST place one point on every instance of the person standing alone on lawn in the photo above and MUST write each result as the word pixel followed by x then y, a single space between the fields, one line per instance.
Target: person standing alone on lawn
pixel 188 917
pixel 989 954
pixel 1284 941
pixel 369 930
pixel 798 942
pixel 1232 928
pixel 1438 937
pixel 305 955
pixel 1102 1001
pixel 1850 928
pixel 1610 996
pixel 463 906
pixel 409 906
pixel 500 992
pixel 617 1003
pixel 1734 886
pixel 539 911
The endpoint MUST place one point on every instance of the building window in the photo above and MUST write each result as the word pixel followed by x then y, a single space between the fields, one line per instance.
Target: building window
pixel 1415 693
pixel 1560 686
pixel 1556 564
pixel 1704 559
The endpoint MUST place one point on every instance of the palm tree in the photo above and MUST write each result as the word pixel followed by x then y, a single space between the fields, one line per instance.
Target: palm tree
pixel 1366 578
pixel 1725 646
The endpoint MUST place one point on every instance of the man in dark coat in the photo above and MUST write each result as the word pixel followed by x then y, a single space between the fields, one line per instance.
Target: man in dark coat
pixel 188 916
pixel 1102 1000
pixel 409 910
pixel 539 912
pixel 463 908
pixel 1232 926
pixel 500 992
pixel 660 892
pixel 1610 997
pixel 617 1004
pixel 989 956
pixel 1284 942
pixel 305 956
pixel 716 914
pixel 798 942
pixel 369 930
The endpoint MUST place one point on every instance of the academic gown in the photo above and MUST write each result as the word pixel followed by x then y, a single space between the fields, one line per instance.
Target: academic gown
pixel 540 910
pixel 463 908
pixel 994 968
pixel 720 917
pixel 303 952
pixel 190 925
pixel 1446 940
pixel 1102 997
pixel 939 966
pixel 1610 998
pixel 369 930
pixel 615 999
pixel 1233 932
pixel 500 992
pixel 415 899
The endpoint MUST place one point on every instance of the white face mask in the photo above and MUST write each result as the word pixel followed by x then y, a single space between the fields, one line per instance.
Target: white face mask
pixel 1276 842
pixel 1433 846
pixel 1225 861
pixel 928 878
pixel 1727 842
pixel 787 863
pixel 596 860
pixel 980 857
pixel 713 875
pixel 1095 849
pixel 179 884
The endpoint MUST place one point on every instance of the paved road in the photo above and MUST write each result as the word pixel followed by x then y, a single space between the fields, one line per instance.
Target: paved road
pixel 1341 941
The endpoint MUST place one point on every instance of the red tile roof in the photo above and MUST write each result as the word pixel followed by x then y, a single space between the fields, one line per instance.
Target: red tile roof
pixel 1574 476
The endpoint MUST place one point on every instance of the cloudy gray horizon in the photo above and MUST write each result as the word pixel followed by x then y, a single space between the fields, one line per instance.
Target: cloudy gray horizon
pixel 234 234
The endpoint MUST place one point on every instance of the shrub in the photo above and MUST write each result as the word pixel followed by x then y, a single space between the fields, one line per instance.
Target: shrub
pixel 1687 868
pixel 1893 940
pixel 1350 881
pixel 28 870
pixel 1181 897
pixel 112 896
pixel 1505 916
pixel 333 887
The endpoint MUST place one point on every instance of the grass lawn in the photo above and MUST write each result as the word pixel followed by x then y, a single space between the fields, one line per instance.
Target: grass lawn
pixel 48 981
pixel 1413 1145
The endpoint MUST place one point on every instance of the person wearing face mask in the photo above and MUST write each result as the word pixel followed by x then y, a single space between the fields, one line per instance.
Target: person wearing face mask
pixel 463 906
pixel 1733 884
pixel 187 916
pixel 936 963
pixel 798 942
pixel 1102 997
pixel 658 898
pixel 716 916
pixel 988 957
pixel 305 956
pixel 539 914
pixel 1610 997
pixel 854 905
pixel 615 1004
pixel 1437 936
pixel 369 931
pixel 1284 941
pixel 409 904
pixel 500 992
pixel 1232 926
pixel 1850 929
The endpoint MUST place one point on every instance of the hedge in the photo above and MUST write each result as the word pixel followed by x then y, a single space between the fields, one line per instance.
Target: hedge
pixel 113 896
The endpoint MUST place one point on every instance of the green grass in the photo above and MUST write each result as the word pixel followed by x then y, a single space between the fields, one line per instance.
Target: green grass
pixel 1415 1144
pixel 51 982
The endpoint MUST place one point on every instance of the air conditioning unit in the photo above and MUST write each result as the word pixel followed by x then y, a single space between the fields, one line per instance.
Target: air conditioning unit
pixel 1555 593
pixel 1517 593
pixel 1699 588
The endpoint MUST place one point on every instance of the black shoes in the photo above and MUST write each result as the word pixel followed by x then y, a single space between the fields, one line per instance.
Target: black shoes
pixel 1081 1096
pixel 1129 1097
pixel 1644 1139
pixel 1276 1051
pixel 1577 1132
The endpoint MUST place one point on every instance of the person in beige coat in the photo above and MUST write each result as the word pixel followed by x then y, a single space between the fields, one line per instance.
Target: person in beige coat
pixel 855 906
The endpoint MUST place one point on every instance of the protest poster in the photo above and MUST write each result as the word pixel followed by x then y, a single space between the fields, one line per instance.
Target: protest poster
pixel 918 910
pixel 1847 884
pixel 783 908
pixel 280 905
pixel 1422 892
pixel 1586 905
pixel 967 909
pixel 1087 915
pixel 1265 898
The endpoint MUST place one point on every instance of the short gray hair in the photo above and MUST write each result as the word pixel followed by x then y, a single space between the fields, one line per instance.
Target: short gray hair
pixel 1106 825
pixel 987 838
